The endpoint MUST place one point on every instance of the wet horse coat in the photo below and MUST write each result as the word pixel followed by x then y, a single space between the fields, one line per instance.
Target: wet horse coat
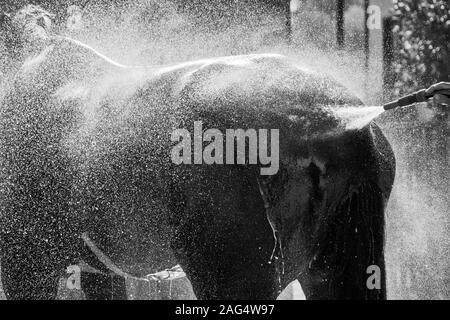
pixel 86 149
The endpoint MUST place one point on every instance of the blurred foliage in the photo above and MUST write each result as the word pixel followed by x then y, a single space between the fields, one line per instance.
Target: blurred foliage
pixel 422 33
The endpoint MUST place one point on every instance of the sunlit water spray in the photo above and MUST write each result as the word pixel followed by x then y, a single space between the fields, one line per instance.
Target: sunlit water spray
pixel 356 117
pixel 416 216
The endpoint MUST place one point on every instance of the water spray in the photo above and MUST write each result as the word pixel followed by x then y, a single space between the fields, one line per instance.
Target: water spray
pixel 416 97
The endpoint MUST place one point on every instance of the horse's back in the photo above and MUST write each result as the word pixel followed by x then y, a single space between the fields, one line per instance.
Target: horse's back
pixel 87 143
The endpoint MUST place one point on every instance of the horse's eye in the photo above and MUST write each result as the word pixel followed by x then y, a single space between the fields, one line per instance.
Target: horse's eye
pixel 41 22
pixel 44 22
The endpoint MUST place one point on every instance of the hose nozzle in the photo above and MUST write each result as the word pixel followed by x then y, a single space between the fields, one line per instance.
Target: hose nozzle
pixel 416 97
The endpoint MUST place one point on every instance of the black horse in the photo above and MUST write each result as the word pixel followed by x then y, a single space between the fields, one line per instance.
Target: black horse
pixel 85 149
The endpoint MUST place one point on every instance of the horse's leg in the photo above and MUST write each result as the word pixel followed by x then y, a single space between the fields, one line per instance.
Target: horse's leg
pixel 229 261
pixel 98 286
pixel 222 238
pixel 211 285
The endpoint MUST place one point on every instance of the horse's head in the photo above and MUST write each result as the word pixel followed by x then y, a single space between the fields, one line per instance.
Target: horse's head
pixel 25 32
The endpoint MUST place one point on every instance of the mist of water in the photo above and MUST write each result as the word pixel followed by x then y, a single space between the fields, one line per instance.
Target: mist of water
pixel 417 223
pixel 356 117
pixel 154 32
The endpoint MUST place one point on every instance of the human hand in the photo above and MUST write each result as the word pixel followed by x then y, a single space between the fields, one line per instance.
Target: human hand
pixel 440 92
